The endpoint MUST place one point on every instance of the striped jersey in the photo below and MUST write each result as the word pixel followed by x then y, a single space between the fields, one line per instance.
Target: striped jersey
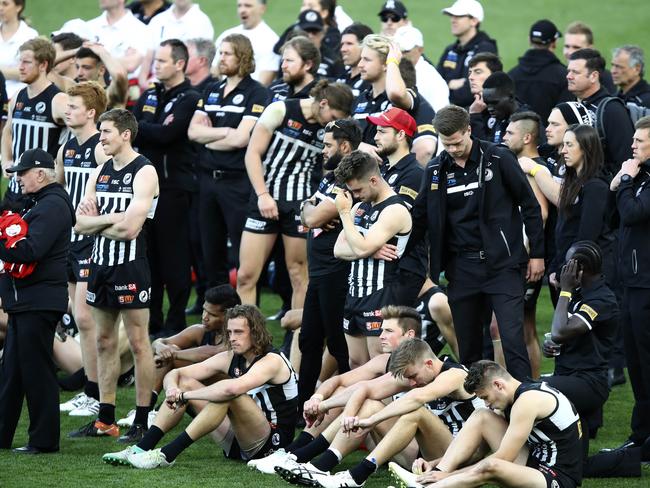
pixel 114 191
pixel 278 402
pixel 33 126
pixel 78 163
pixel 369 275
pixel 291 163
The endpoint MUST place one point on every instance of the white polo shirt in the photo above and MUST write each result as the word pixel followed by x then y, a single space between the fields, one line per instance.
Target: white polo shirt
pixel 263 38
pixel 9 53
pixel 431 85
pixel 127 33
pixel 166 25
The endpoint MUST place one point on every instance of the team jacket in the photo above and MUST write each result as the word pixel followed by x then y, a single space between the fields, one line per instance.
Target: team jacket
pixel 503 188
pixel 49 216
pixel 166 144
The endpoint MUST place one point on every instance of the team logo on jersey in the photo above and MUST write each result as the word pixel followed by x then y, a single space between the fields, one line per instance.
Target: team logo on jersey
pixel 90 297
pixel 311 16
pixel 392 179
pixel 237 372
pixel 320 134
pixel 491 121
pixel 237 99
pixel 374 215
pixel 169 106
pixel 127 178
pixel 40 107
pixel 275 438
pixel 346 324
pixel 488 174
pixel 555 484
pixel 87 153
pixel 561 170
pixel 143 296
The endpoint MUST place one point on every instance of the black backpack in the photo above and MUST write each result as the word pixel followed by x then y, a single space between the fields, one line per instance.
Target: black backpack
pixel 634 111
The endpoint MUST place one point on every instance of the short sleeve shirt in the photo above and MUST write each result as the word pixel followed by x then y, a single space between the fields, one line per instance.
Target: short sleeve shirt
pixel 194 24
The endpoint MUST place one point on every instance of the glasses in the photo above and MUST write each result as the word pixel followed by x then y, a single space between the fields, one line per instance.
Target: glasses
pixel 346 129
pixel 390 17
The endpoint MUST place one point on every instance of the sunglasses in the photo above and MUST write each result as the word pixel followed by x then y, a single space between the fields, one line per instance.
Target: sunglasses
pixel 347 130
pixel 390 17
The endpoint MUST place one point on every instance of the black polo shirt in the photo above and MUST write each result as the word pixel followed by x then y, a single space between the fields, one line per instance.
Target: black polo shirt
pixel 356 84
pixel 247 101
pixel 280 91
pixel 462 204
pixel 138 11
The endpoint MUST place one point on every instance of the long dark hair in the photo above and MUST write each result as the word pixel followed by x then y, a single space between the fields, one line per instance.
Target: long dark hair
pixel 330 6
pixel 593 162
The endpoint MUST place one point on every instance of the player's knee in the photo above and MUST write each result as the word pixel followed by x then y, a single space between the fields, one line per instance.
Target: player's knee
pixel 487 469
pixel 246 277
pixel 141 348
pixel 438 305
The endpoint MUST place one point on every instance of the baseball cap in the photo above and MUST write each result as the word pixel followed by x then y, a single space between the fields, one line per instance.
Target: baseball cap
pixel 407 37
pixel 33 158
pixel 461 8
pixel 394 7
pixel 396 118
pixel 544 32
pixel 310 20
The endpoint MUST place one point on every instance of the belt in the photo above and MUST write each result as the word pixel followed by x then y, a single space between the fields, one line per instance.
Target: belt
pixel 223 174
pixel 472 255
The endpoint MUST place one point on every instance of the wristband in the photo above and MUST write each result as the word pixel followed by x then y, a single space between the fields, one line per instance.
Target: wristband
pixel 392 60
pixel 534 171
pixel 263 193
pixel 565 294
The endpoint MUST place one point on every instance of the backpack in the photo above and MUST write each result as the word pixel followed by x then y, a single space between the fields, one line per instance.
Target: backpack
pixel 633 110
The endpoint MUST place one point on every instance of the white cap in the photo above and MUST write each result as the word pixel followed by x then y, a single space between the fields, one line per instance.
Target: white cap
pixel 79 27
pixel 407 37
pixel 465 7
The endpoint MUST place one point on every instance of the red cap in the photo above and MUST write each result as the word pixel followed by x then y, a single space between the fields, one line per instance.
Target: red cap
pixel 396 118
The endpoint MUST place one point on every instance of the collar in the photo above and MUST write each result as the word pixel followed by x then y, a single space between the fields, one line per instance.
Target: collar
pixel 474 154
pixel 181 87
pixel 403 163
pixel 593 99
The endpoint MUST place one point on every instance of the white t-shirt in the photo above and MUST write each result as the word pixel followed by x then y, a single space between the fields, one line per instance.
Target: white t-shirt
pixel 263 38
pixel 194 24
pixel 343 20
pixel 127 33
pixel 9 53
pixel 431 85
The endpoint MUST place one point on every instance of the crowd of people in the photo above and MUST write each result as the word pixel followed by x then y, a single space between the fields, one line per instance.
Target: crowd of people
pixel 398 207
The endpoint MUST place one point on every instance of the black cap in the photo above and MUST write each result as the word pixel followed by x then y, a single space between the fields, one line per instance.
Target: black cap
pixel 544 32
pixel 394 7
pixel 33 158
pixel 310 20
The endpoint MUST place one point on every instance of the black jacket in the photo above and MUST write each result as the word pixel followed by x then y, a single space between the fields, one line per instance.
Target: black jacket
pixel 503 189
pixel 453 65
pixel 50 217
pixel 540 81
pixel 633 202
pixel 639 94
pixel 166 144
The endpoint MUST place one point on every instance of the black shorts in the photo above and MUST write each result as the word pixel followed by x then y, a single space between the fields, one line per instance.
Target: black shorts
pixel 362 315
pixel 554 477
pixel 288 223
pixel 430 331
pixel 531 293
pixel 79 261
pixel 125 286
pixel 278 439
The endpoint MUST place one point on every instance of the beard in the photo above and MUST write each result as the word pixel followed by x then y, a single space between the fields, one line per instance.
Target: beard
pixel 293 79
pixel 333 161
pixel 386 151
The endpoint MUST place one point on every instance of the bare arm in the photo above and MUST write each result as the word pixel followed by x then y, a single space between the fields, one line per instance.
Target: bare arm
pixel 58 166
pixel 199 371
pixel 117 90
pixel 201 131
pixel 395 87
pixel 7 151
pixel 235 138
pixel 314 216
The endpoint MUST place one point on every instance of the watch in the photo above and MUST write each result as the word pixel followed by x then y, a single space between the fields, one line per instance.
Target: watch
pixel 626 178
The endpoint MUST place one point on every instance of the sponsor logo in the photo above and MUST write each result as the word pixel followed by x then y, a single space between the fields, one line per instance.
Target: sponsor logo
pixel 125 299
pixel 320 134
pixel 588 310
pixel 87 153
pixel 19 105
pixel 143 296
pixel 149 108
pixel 255 224
pixel 468 193
pixel 373 325
pixel 384 106
pixel 69 153
pixel 103 179
pixel 294 124
pixel 374 215
pixel 169 106
pixel 90 297
pixel 372 313
pixel 84 273
pixel 346 324
pixel 405 190
pixel 132 287
pixel 488 174
pixel 40 107
pixel 237 99
pixel 127 178
pixel 257 109
pixel 129 287
pixel 392 179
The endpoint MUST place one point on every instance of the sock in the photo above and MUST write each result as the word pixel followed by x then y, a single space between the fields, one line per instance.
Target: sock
pixel 92 389
pixel 311 450
pixel 362 471
pixel 142 415
pixel 106 413
pixel 328 460
pixel 175 447
pixel 302 440
pixel 74 381
pixel 154 399
pixel 151 438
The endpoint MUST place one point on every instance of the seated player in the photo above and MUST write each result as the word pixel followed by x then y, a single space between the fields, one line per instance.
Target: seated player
pixel 437 322
pixel 250 402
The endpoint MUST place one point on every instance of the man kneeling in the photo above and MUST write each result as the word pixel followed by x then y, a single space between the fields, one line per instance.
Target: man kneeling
pixel 251 374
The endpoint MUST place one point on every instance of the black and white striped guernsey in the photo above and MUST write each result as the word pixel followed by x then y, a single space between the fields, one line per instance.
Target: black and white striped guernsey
pixel 368 275
pixel 291 165
pixel 33 126
pixel 78 163
pixel 114 191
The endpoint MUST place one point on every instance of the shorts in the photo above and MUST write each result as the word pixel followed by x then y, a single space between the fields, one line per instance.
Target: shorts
pixel 554 477
pixel 288 223
pixel 531 293
pixel 278 438
pixel 362 315
pixel 125 286
pixel 79 261
pixel 430 331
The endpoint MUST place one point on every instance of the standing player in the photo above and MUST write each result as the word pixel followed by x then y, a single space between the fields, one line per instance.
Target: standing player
pixel 35 113
pixel 380 218
pixel 75 162
pixel 282 165
pixel 120 196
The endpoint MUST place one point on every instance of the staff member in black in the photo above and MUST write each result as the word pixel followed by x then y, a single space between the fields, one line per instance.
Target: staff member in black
pixel 164 113
pixel 35 304
pixel 470 205
pixel 223 122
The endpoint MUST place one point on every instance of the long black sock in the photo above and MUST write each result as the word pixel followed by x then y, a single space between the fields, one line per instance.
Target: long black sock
pixel 154 399
pixel 362 471
pixel 175 447
pixel 327 461
pixel 311 450
pixel 302 440
pixel 151 438
pixel 92 389
pixel 141 415
pixel 106 413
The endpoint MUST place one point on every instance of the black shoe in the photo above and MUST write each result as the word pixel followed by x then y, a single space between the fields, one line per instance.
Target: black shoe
pixel 127 378
pixel 616 376
pixel 277 316
pixel 32 450
pixel 628 444
pixel 134 434
pixel 95 428
pixel 196 309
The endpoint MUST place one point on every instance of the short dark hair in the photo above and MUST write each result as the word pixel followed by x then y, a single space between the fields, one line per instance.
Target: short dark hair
pixel 480 374
pixel 68 40
pixel 451 119
pixel 122 119
pixel 85 52
pixel 355 166
pixel 589 256
pixel 407 71
pixel 345 130
pixel 359 30
pixel 338 95
pixel 179 51
pixel 593 59
pixel 531 123
pixel 307 51
pixel 224 295
pixel 491 60
pixel 501 82
pixel 261 338
pixel 407 318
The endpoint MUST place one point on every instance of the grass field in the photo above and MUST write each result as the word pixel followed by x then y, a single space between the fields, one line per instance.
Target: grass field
pixel 79 462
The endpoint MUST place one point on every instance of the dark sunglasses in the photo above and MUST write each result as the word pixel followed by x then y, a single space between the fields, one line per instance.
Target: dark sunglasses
pixel 392 17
